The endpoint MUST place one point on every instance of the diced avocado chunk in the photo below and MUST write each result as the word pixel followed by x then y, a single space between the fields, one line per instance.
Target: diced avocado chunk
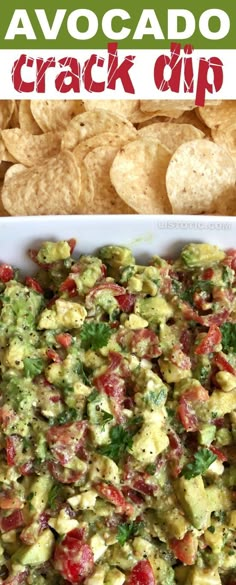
pixel 63 314
pixel 226 381
pixel 154 310
pixel 38 495
pixel 116 256
pixel 222 402
pixel 37 553
pixel 192 495
pixel 200 576
pixel 206 435
pixel 149 442
pixel 89 273
pixel 53 251
pixel 201 255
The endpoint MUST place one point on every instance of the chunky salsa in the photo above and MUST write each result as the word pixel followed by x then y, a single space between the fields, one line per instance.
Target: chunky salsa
pixel 118 418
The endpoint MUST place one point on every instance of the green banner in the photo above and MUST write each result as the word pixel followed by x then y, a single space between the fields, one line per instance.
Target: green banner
pixel 70 24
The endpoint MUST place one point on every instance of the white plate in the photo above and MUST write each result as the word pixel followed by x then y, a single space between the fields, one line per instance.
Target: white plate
pixel 145 235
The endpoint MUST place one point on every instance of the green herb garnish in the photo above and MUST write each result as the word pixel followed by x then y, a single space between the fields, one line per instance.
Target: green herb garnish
pixel 156 398
pixel 106 418
pixel 211 529
pixel 228 331
pixel 53 495
pixel 93 396
pixel 202 460
pixel 198 286
pixel 151 469
pixel 95 335
pixel 66 416
pixel 82 373
pixel 120 442
pixel 33 367
pixel 128 530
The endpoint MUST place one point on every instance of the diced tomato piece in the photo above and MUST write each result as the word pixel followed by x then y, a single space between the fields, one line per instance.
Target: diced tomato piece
pixel 230 259
pixel 7 416
pixel 187 416
pixel 9 501
pixel 216 318
pixel 27 468
pixel 126 302
pixel 116 289
pixel 190 314
pixel 209 341
pixel 115 496
pixel 72 244
pixel 144 487
pixel 175 453
pixel 186 341
pixel 208 274
pixel 141 574
pixel 134 496
pixel 180 359
pixel 223 364
pixel 53 355
pixel 69 285
pixel 65 339
pixel 219 422
pixel 113 386
pixel 185 550
pixel 13 521
pixel 65 440
pixel 34 284
pixel 11 449
pixel 117 364
pixel 220 455
pixel 73 559
pixel 196 393
pixel 145 343
pixel 6 272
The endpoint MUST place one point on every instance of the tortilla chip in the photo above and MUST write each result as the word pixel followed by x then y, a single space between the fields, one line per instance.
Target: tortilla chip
pixel 106 201
pixel 105 139
pixel 200 178
pixel 138 175
pixel 53 187
pixel 6 111
pixel 171 135
pixel 26 120
pixel 55 114
pixel 3 211
pixel 14 121
pixel 123 108
pixel 217 115
pixel 93 123
pixel 31 149
pixel 225 136
pixel 163 105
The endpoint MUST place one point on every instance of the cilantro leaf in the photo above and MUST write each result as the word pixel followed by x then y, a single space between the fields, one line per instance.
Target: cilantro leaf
pixel 128 530
pixel 82 373
pixel 68 415
pixel 94 335
pixel 227 275
pixel 198 286
pixel 106 417
pixel 53 495
pixel 228 331
pixel 33 367
pixel 93 396
pixel 202 460
pixel 120 441
pixel 156 398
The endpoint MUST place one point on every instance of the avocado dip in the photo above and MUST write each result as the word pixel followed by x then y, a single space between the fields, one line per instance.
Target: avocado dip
pixel 118 418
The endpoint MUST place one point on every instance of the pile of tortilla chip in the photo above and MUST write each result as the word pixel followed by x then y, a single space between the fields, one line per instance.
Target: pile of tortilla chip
pixel 117 157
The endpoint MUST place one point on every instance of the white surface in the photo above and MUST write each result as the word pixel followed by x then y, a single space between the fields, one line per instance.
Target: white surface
pixel 141 74
pixel 145 235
